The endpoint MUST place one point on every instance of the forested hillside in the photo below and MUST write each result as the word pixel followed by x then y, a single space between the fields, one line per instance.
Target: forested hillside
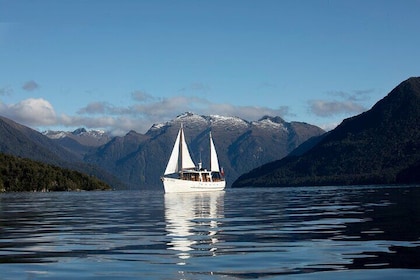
pixel 18 174
pixel 380 146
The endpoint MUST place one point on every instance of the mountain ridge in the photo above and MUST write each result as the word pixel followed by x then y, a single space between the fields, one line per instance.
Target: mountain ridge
pixel 24 142
pixel 138 160
pixel 93 137
pixel 375 147
pixel 79 141
pixel 141 159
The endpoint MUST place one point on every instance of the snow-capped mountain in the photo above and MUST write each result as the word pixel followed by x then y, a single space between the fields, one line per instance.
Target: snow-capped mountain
pixel 215 121
pixel 139 159
pixel 91 138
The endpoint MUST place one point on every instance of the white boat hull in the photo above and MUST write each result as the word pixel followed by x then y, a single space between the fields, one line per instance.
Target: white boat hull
pixel 173 185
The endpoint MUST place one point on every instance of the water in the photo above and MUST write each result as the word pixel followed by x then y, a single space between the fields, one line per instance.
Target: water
pixel 291 233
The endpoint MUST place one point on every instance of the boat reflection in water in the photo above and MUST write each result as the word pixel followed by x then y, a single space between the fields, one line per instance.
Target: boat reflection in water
pixel 192 221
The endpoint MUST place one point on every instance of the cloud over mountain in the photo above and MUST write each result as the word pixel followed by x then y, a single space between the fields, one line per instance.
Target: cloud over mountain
pixel 31 111
pixel 147 109
pixel 139 116
pixel 323 108
pixel 343 103
pixel 144 109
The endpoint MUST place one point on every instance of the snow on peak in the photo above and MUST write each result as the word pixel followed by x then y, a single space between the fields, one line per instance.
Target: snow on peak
pixel 156 126
pixel 186 118
pixel 80 132
pixel 269 122
pixel 94 133
pixel 52 134
pixel 189 119
pixel 192 119
pixel 230 121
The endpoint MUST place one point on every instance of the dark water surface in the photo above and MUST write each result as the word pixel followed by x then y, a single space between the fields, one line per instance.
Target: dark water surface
pixel 291 233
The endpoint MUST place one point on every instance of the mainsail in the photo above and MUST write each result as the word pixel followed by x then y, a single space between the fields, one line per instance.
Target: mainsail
pixel 186 160
pixel 172 166
pixel 180 157
pixel 214 163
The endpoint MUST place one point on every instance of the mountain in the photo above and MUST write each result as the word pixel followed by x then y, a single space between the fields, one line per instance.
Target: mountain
pixel 380 146
pixel 140 159
pixel 21 141
pixel 79 141
pixel 93 138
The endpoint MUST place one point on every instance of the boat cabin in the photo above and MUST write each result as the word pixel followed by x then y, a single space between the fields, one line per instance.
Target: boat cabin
pixel 200 175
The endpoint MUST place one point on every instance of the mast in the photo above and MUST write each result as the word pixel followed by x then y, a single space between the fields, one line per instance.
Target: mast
pixel 181 134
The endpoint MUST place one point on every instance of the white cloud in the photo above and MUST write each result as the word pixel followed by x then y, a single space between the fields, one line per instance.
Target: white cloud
pixel 38 112
pixel 149 110
pixel 94 108
pixel 323 108
pixel 167 108
pixel 115 124
pixel 32 111
pixel 348 103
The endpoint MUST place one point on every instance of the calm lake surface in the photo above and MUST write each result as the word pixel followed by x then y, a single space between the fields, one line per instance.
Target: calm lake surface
pixel 290 233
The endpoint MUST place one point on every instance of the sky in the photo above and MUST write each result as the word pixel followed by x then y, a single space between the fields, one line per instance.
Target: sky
pixel 127 64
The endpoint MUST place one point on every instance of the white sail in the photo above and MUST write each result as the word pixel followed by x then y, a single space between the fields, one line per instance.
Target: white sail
pixel 214 163
pixel 186 161
pixel 180 157
pixel 172 166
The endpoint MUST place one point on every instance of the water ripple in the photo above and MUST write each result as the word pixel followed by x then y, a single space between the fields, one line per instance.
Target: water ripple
pixel 234 234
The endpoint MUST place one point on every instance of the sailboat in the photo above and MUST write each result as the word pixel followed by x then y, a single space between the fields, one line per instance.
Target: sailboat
pixel 182 175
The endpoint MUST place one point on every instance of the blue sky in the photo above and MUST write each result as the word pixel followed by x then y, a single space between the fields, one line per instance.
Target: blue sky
pixel 122 65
